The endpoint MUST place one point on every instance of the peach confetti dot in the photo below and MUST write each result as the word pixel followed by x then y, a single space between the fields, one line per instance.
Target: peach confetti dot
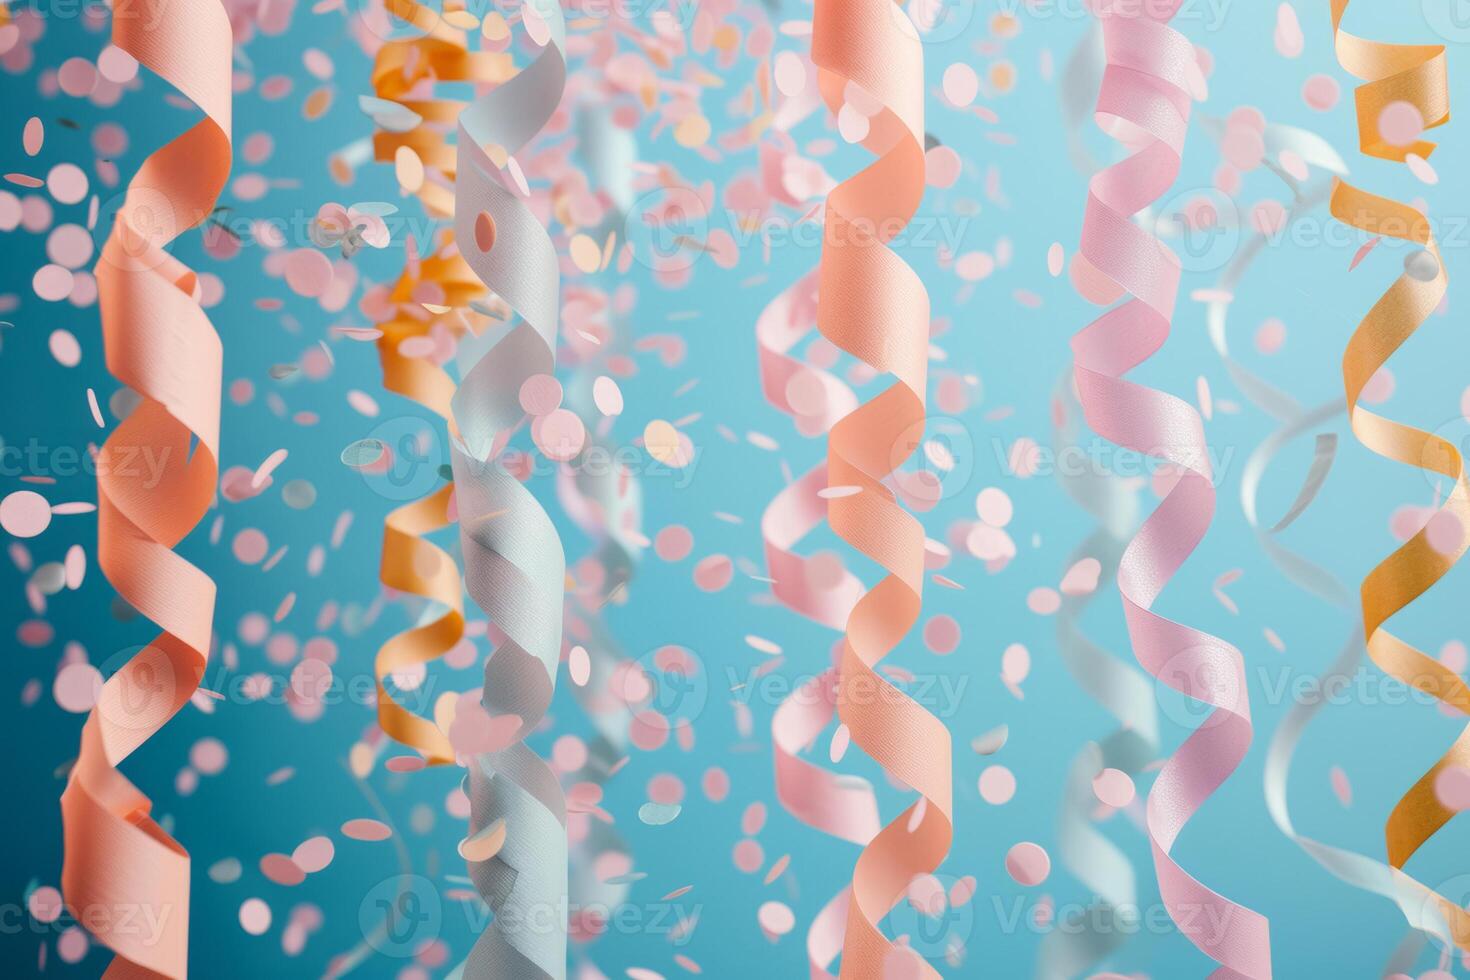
pixel 314 854
pixel 713 573
pixel 942 634
pixel 366 829
pixel 484 231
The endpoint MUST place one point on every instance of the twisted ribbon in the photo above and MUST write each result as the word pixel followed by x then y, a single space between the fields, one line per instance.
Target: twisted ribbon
pixel 874 306
pixel 842 806
pixel 161 345
pixel 1125 693
pixel 1144 99
pixel 1413 74
pixel 410 562
pixel 514 564
pixel 606 502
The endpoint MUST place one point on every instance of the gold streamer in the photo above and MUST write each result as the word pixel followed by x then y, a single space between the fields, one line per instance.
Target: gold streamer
pixel 410 562
pixel 1413 74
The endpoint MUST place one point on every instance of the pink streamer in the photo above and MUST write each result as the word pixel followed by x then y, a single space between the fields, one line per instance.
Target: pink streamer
pixel 1145 101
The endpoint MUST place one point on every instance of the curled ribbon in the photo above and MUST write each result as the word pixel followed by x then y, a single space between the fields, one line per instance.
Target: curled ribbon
pixel 514 565
pixel 1413 74
pixel 160 344
pixel 842 806
pixel 411 563
pixel 872 305
pixel 1125 693
pixel 606 502
pixel 1144 99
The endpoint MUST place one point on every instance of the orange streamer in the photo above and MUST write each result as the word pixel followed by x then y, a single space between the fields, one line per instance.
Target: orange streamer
pixel 410 562
pixel 159 343
pixel 875 307
pixel 1413 74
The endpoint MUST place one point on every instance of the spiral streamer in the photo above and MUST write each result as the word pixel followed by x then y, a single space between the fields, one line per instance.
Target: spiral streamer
pixel 606 502
pixel 161 345
pixel 1125 693
pixel 874 306
pixel 411 563
pixel 514 565
pixel 1414 74
pixel 1145 101
pixel 842 806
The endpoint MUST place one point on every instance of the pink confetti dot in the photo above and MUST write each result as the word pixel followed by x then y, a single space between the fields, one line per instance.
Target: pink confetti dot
pixel 308 272
pixel 648 730
pixel 484 231
pixel 716 784
pixel 569 753
pixel 250 546
pixel 64 348
pixel 960 84
pixel 52 282
pixel 713 573
pixel 1444 533
pixel 365 829
pixel 1028 864
pixel 1114 788
pixel 1452 787
pixel 72 945
pixel 776 918
pixel 67 183
pixel 942 634
pixel 1321 92
pixel 1270 336
pixel 1400 123
pixel 209 756
pixel 77 687
pixel 997 785
pixel 607 396
pixel 1379 388
pixel 69 246
pixel 666 788
pixel 673 543
pixel 45 904
pixel 255 916
pixel 749 855
pixel 559 435
pixel 942 167
pixel 25 513
pixel 974 266
pixel 1043 601
pixel 1243 148
pixel 993 506
pixel 281 870
pixel 314 854
pixel 540 394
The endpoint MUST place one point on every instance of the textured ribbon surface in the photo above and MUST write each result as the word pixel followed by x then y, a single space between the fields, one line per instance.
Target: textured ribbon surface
pixel 1125 693
pixel 1413 74
pixel 411 563
pixel 1144 100
pixel 514 565
pixel 161 345
pixel 873 306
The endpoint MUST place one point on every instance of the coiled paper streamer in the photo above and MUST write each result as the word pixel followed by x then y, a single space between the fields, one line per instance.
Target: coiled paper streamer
pixel 1144 101
pixel 843 806
pixel 514 565
pixel 874 306
pixel 410 562
pixel 1295 421
pixel 1413 74
pixel 1125 693
pixel 606 501
pixel 161 345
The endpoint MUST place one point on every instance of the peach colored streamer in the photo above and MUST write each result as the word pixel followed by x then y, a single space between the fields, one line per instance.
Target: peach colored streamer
pixel 1144 101
pixel 873 306
pixel 1414 74
pixel 159 343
